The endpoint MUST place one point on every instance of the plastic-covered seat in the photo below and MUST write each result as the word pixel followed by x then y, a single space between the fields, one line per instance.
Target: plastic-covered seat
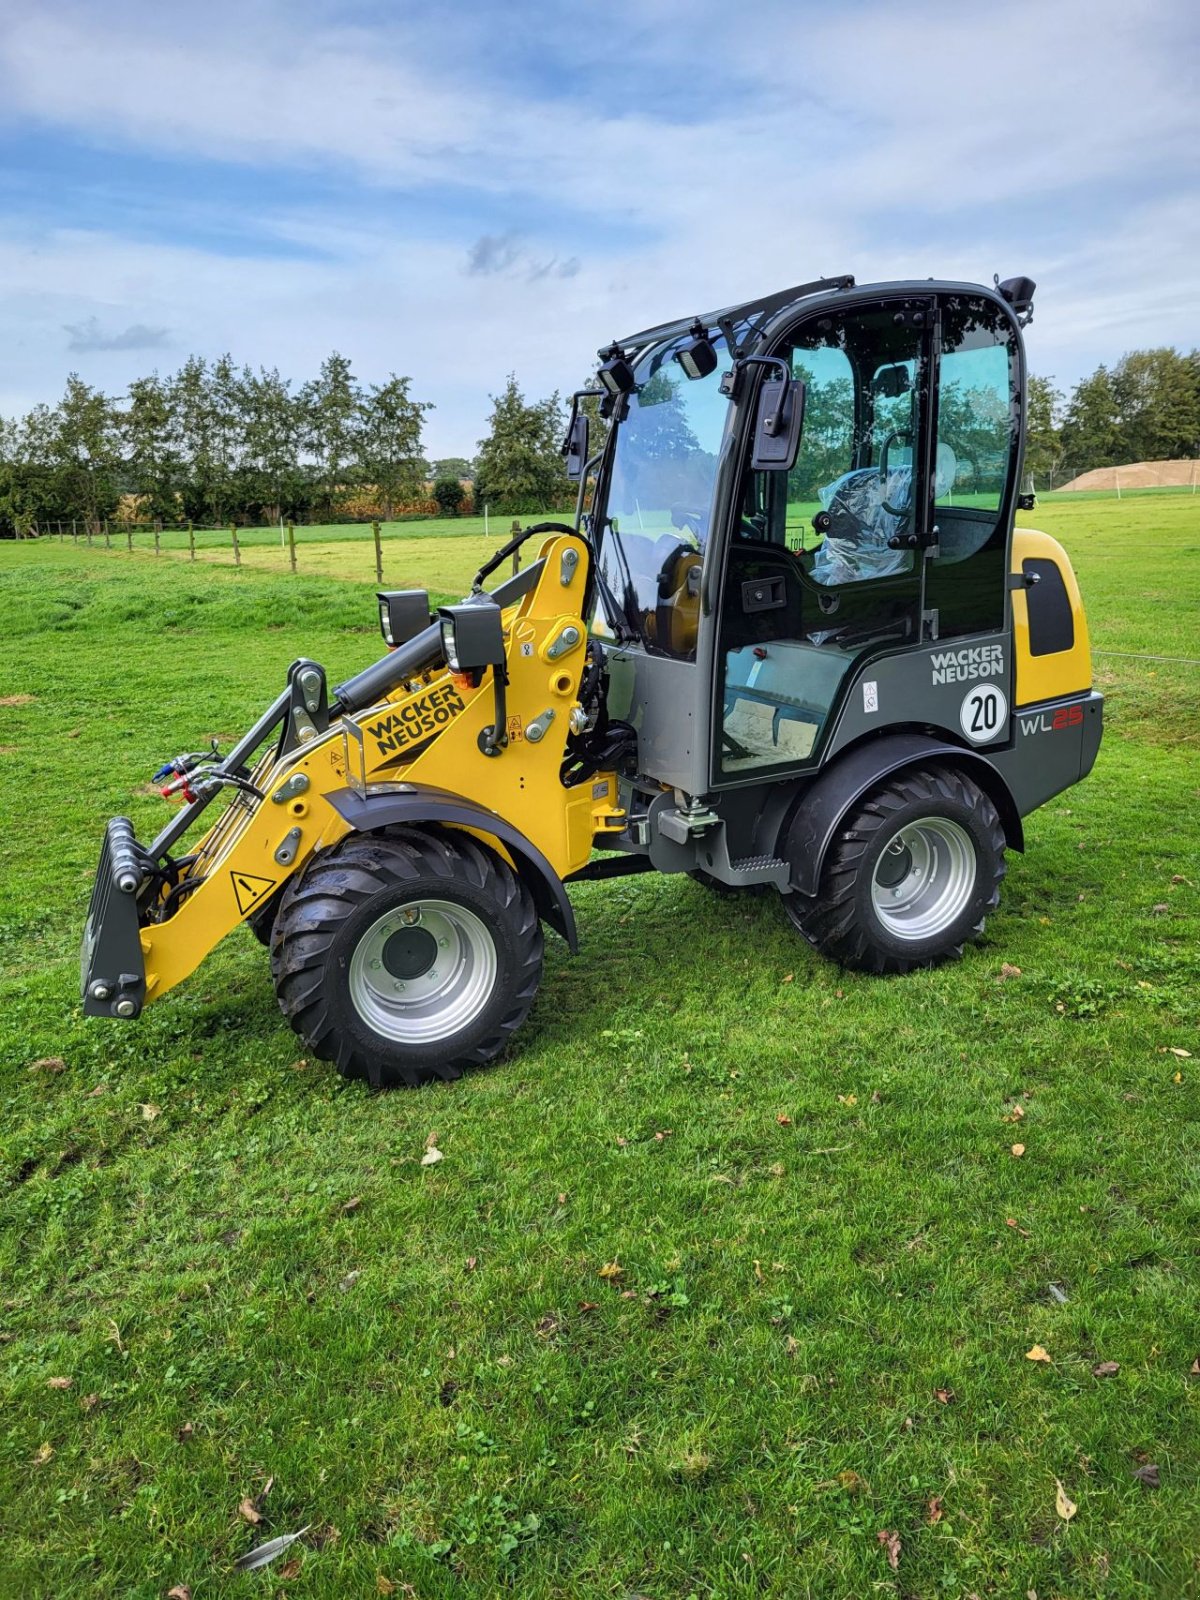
pixel 868 509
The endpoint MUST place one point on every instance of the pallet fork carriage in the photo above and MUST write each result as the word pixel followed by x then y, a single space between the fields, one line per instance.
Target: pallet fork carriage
pixel 791 638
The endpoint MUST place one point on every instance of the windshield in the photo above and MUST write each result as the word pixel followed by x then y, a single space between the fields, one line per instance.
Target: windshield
pixel 660 498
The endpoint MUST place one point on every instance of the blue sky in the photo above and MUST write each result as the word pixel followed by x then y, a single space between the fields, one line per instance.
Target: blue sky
pixel 454 192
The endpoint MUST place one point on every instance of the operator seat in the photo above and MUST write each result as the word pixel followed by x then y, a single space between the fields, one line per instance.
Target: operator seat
pixel 867 510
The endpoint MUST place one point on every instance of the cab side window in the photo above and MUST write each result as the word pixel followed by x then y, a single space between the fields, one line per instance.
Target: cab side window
pixel 976 441
pixel 818 573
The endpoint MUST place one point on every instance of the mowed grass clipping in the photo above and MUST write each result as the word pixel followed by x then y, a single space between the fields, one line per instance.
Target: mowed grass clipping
pixel 726 1281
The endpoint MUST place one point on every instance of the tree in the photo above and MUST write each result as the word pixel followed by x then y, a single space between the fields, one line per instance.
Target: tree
pixel 451 467
pixel 1090 431
pixel 387 441
pixel 273 479
pixel 520 467
pixel 196 434
pixel 827 441
pixel 86 452
pixel 332 407
pixel 1158 405
pixel 227 410
pixel 449 494
pixel 28 485
pixel 152 454
pixel 1043 435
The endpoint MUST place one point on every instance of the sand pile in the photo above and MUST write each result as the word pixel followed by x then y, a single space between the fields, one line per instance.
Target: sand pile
pixel 1139 475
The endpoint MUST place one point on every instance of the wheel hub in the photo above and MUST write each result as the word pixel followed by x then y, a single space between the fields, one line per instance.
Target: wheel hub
pixel 924 878
pixel 409 952
pixel 423 971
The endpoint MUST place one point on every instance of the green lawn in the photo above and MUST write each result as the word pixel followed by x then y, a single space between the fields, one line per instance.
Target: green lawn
pixel 430 552
pixel 831 1263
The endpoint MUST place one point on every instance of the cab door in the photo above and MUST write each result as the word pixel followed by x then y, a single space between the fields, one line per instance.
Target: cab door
pixel 824 566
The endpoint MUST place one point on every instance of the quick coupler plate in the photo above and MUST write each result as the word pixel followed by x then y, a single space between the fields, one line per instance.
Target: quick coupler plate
pixel 112 968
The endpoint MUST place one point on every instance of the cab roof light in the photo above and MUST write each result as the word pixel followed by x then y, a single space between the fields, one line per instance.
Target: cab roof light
pixel 697 357
pixel 616 372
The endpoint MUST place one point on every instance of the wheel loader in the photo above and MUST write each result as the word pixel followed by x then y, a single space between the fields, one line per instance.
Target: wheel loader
pixel 790 639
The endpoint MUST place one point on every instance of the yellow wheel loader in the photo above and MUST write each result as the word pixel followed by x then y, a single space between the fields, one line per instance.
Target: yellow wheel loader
pixel 790 639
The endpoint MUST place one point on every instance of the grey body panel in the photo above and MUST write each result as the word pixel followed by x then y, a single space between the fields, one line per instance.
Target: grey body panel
pixel 657 695
pixel 1052 748
pixel 925 685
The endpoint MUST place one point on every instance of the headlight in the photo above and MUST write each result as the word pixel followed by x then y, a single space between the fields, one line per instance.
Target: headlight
pixel 403 613
pixel 449 648
pixel 472 635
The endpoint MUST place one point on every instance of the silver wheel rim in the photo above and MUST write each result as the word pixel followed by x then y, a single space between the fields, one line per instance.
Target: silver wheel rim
pixel 924 879
pixel 423 971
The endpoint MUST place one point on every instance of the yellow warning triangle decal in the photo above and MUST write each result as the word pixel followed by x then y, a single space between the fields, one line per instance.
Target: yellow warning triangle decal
pixel 249 890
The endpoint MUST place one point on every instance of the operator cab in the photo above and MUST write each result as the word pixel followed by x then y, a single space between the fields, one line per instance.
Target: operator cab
pixel 889 530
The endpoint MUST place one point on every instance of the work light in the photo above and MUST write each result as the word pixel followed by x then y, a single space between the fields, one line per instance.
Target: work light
pixel 472 635
pixel 403 613
pixel 698 357
pixel 616 374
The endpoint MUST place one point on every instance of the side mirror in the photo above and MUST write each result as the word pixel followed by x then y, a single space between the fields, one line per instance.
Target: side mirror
pixel 575 446
pixel 777 424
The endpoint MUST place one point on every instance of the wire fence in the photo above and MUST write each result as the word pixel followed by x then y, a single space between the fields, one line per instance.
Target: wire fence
pixel 400 551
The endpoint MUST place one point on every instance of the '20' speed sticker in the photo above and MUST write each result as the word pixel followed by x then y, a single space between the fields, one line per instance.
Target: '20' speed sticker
pixel 984 713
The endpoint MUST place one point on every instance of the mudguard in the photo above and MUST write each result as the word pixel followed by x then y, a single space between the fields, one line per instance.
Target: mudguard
pixel 381 806
pixel 815 820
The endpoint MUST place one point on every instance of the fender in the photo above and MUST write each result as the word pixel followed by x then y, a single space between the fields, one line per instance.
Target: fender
pixel 822 806
pixel 410 802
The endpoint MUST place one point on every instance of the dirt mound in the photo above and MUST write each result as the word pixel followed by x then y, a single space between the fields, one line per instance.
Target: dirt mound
pixel 1139 475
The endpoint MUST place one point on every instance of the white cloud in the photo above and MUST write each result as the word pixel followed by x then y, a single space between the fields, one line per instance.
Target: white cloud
pixel 1050 139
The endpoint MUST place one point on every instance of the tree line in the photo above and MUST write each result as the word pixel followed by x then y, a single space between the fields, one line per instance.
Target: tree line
pixel 1145 408
pixel 214 443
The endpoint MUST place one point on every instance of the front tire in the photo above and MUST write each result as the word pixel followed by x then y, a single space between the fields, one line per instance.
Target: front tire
pixel 407 955
pixel 911 876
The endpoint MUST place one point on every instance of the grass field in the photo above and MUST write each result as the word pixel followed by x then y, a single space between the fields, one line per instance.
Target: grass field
pixel 437 553
pixel 729 1273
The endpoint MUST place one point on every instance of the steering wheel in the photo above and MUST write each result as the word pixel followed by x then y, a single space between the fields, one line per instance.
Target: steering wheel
pixel 892 438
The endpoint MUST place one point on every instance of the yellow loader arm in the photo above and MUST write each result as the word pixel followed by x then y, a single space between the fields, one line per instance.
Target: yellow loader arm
pixel 424 736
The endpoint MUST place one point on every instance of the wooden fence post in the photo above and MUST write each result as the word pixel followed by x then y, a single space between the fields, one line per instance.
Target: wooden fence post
pixel 107 541
pixel 292 545
pixel 237 549
pixel 74 532
pixel 191 540
pixel 378 553
pixel 88 525
pixel 512 533
pixel 157 533
pixel 129 538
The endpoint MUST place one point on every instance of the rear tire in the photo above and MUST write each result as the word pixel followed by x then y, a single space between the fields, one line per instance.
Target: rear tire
pixel 407 955
pixel 911 875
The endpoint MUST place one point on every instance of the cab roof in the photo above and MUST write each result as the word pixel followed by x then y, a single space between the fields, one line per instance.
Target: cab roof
pixel 759 313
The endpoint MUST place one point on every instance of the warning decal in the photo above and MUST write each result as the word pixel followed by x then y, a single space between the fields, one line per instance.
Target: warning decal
pixel 249 890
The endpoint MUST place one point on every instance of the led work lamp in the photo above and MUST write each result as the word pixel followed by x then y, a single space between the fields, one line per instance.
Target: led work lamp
pixel 403 613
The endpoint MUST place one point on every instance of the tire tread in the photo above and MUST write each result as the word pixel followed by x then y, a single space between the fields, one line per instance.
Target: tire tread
pixel 337 883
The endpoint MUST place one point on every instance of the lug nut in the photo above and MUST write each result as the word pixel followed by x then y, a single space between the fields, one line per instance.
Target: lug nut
pixel 409 915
